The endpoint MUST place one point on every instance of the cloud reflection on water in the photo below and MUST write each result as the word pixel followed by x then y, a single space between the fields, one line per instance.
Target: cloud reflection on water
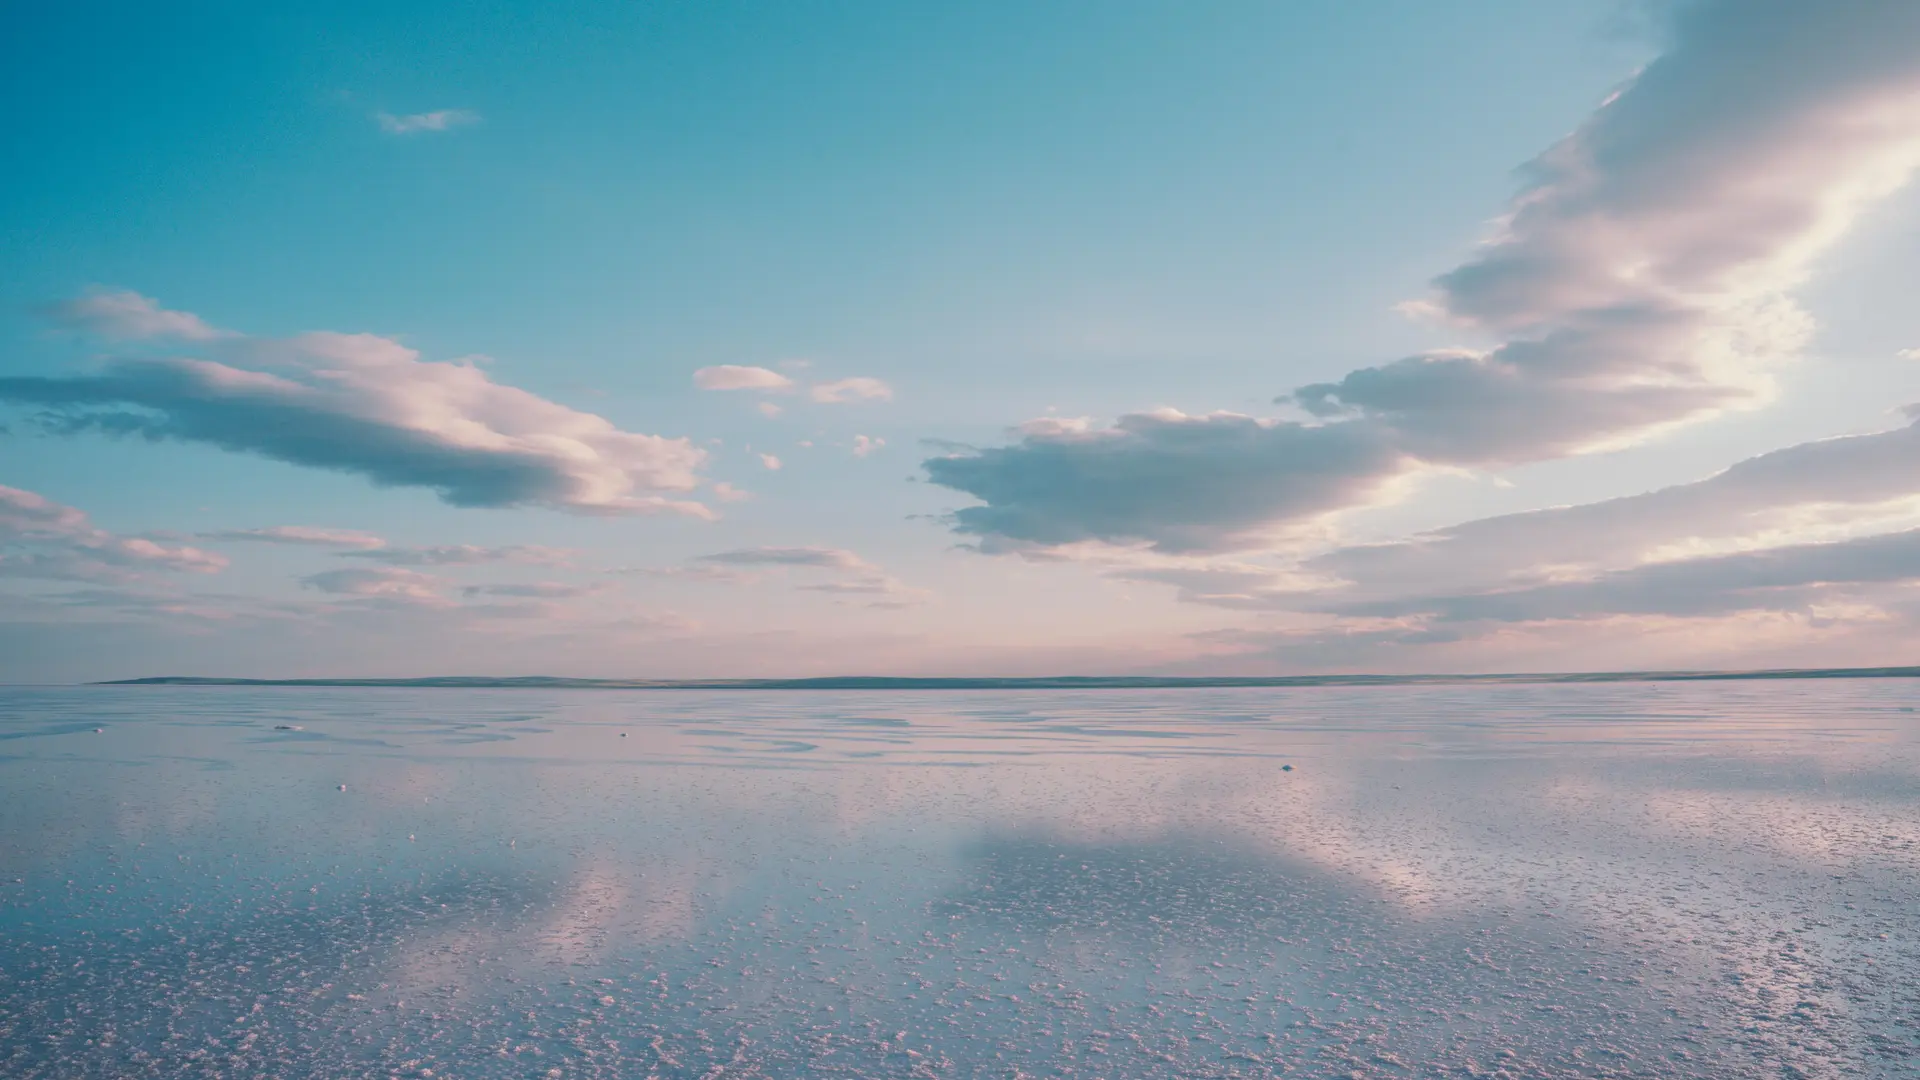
pixel 1620 880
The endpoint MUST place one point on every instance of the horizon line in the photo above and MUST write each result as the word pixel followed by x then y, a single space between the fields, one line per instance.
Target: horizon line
pixel 1050 682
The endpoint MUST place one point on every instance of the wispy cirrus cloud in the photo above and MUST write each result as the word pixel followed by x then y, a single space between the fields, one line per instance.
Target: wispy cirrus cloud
pixel 297 535
pixel 423 122
pixel 535 590
pixel 834 392
pixel 368 405
pixel 1641 279
pixel 854 575
pixel 463 555
pixel 818 557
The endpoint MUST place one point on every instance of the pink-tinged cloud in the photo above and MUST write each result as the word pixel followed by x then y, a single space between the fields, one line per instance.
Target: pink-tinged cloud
pixel 41 538
pixel 1641 279
pixel 367 405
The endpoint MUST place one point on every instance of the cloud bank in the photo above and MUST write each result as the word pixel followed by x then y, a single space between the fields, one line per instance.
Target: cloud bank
pixel 1641 279
pixel 367 405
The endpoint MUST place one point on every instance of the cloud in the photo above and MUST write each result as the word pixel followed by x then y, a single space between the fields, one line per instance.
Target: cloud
pixel 303 535
pixel 40 538
pixel 738 377
pixel 859 577
pixel 462 555
pixel 1640 280
pixel 771 461
pixel 1765 500
pixel 375 582
pixel 1178 482
pixel 880 585
pixel 415 123
pixel 862 445
pixel 768 409
pixel 367 405
pixel 1789 578
pixel 829 558
pixel 539 590
pixel 703 572
pixel 858 388
pixel 119 314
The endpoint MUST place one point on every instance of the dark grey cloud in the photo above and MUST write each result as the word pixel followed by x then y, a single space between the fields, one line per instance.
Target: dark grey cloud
pixel 366 405
pixel 1641 279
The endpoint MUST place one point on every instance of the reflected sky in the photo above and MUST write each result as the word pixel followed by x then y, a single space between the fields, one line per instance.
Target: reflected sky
pixel 1601 880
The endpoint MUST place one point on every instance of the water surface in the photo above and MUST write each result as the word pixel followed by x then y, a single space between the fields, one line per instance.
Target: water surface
pixel 1698 880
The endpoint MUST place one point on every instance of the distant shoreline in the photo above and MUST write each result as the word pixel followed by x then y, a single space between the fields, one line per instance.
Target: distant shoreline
pixel 1065 682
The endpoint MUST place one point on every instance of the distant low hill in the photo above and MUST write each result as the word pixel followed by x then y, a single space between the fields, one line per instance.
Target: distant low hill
pixel 1063 682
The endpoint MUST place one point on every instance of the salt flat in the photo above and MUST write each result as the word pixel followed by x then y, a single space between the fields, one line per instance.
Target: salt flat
pixel 1698 880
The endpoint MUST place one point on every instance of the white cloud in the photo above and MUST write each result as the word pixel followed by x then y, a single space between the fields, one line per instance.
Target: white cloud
pixel 40 538
pixel 1642 279
pixel 858 388
pixel 770 461
pixel 739 377
pixel 768 409
pixel 862 445
pixel 415 123
pixel 302 535
pixel 368 405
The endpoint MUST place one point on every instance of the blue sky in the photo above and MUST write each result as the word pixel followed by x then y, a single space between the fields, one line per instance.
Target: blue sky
pixel 421 292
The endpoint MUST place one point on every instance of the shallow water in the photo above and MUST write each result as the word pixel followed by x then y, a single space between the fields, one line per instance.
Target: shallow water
pixel 1699 880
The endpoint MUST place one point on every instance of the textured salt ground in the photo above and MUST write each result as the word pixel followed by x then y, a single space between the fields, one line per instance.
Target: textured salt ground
pixel 1511 881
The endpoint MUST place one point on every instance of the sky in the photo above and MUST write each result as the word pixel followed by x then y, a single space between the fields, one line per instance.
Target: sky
pixel 658 340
